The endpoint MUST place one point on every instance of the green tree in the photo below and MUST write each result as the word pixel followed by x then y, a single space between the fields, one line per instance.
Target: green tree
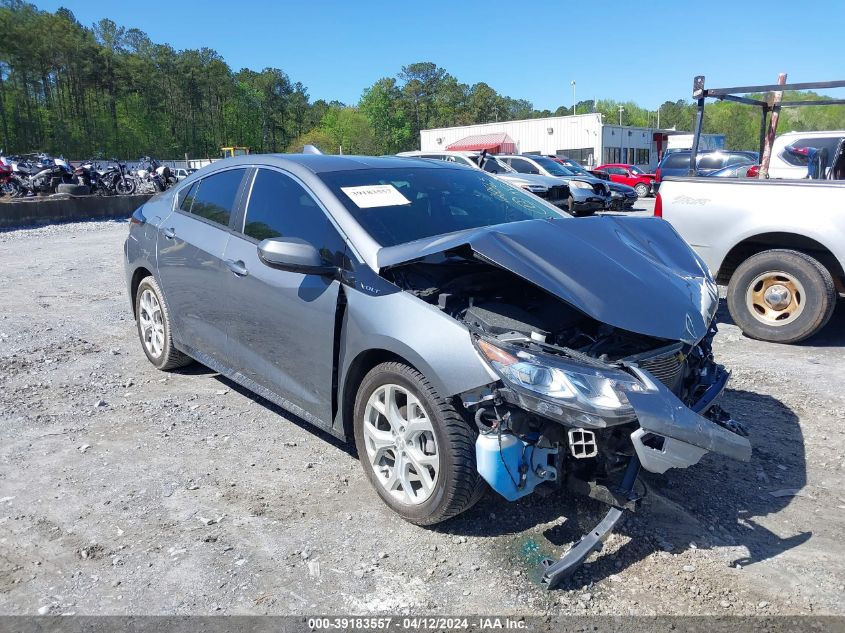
pixel 382 105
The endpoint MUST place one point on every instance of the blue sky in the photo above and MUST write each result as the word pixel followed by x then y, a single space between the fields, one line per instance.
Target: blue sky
pixel 647 52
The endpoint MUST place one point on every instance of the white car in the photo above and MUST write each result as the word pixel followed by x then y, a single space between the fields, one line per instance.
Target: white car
pixel 579 198
pixel 181 173
pixel 786 164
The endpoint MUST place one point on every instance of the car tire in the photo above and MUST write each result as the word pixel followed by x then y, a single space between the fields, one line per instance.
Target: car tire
pixel 641 189
pixel 152 319
pixel 781 296
pixel 73 190
pixel 456 485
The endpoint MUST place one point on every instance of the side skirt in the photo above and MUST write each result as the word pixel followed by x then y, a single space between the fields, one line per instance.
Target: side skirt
pixel 260 390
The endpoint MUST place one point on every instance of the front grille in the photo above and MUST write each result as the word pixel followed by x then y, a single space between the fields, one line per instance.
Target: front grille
pixel 556 194
pixel 668 367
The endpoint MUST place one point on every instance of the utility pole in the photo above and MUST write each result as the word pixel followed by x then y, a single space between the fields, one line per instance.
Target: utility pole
pixel 572 83
pixel 621 110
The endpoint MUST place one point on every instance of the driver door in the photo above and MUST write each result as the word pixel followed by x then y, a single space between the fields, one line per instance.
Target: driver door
pixel 282 333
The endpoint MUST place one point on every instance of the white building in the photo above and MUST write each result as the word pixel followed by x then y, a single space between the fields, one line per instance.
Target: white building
pixel 582 137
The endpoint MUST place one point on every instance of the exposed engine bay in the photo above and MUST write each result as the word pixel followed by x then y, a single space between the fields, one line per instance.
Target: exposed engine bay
pixel 501 305
pixel 581 404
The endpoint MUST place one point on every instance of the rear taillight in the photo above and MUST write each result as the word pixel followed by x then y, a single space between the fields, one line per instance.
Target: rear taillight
pixel 658 206
pixel 657 175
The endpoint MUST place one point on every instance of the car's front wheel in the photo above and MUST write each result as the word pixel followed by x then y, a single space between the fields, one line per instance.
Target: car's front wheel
pixel 153 321
pixel 417 451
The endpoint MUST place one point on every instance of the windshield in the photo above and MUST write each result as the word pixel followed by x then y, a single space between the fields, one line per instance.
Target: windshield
pixel 402 205
pixel 635 170
pixel 551 166
pixel 577 169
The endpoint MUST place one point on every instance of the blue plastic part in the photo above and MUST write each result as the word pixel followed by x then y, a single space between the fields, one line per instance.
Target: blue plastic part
pixel 503 467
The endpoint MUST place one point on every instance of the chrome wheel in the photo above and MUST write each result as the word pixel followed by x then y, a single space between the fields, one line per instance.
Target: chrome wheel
pixel 151 320
pixel 401 445
pixel 775 298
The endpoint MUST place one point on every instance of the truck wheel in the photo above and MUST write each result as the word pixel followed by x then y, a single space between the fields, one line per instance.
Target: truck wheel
pixel 417 451
pixel 641 189
pixel 781 296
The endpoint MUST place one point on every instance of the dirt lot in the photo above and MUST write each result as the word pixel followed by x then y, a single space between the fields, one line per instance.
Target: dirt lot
pixel 128 491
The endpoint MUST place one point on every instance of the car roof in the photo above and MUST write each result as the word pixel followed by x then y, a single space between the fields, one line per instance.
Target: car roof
pixel 814 133
pixel 441 152
pixel 325 163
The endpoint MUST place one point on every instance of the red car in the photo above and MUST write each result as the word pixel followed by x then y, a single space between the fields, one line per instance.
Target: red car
pixel 630 175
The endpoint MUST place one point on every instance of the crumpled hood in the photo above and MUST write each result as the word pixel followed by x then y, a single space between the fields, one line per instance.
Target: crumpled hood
pixel 618 186
pixel 636 274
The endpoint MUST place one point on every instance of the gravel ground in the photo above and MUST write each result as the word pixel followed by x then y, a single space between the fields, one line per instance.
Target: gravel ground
pixel 124 490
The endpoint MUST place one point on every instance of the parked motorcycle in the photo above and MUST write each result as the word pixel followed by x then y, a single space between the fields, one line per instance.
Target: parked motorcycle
pixel 111 180
pixel 154 176
pixel 7 184
pixel 39 174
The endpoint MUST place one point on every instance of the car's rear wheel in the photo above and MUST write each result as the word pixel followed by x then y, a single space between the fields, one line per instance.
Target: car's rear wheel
pixel 416 449
pixel 641 189
pixel 782 296
pixel 153 321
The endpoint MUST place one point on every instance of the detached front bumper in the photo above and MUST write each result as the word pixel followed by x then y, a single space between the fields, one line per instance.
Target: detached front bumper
pixel 672 435
pixel 586 200
pixel 619 200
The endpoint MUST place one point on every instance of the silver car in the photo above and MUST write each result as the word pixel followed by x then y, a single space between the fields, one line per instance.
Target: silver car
pixel 465 333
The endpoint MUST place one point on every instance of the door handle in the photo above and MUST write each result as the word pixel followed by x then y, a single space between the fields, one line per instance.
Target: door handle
pixel 169 233
pixel 237 267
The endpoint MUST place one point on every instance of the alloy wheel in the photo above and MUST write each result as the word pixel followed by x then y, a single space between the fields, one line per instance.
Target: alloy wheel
pixel 401 445
pixel 151 320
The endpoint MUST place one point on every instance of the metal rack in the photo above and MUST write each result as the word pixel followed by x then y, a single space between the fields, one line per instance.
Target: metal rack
pixel 771 106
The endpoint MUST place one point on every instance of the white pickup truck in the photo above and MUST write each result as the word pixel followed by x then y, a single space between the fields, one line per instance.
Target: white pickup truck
pixel 778 245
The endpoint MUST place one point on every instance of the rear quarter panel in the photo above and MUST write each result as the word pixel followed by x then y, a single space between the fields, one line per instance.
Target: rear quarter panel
pixel 714 215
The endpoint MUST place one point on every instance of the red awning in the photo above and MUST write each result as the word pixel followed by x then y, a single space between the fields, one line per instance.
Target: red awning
pixel 494 143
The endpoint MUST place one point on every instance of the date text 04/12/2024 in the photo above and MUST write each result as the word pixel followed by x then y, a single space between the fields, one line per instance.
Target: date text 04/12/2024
pixel 411 623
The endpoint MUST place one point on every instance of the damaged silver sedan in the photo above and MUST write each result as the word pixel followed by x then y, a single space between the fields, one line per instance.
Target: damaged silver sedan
pixel 465 333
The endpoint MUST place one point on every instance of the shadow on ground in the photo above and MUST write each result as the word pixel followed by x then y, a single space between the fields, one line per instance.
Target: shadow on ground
pixel 831 335
pixel 713 504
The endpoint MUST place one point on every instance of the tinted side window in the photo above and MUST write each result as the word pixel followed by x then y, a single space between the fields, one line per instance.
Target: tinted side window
pixel 800 160
pixel 676 161
pixel 712 161
pixel 737 159
pixel 280 207
pixel 523 166
pixel 213 197
pixel 186 197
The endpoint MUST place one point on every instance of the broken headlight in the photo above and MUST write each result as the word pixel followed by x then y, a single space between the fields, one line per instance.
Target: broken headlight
pixel 559 388
pixel 580 184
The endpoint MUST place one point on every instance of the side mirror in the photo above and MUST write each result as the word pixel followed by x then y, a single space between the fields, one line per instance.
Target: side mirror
pixel 293 255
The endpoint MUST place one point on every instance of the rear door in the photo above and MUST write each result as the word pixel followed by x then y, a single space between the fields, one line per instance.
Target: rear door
pixel 281 335
pixel 190 249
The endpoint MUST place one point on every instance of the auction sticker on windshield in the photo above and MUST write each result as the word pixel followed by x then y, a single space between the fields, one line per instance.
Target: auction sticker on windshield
pixel 370 196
